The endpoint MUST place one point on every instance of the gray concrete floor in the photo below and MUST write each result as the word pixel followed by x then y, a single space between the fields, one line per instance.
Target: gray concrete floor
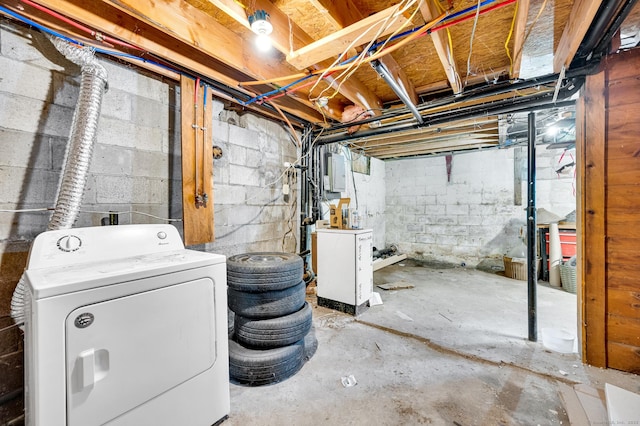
pixel 453 350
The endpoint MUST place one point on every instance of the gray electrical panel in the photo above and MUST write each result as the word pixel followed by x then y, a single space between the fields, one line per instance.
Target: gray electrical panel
pixel 335 176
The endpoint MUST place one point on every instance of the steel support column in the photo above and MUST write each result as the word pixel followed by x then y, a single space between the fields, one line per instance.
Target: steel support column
pixel 531 230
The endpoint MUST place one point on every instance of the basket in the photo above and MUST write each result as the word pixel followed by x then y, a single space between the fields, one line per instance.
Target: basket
pixel 568 277
pixel 515 267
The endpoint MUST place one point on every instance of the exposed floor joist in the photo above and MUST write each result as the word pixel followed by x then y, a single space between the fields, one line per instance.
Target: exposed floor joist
pixel 429 12
pixel 288 36
pixel 580 19
pixel 355 34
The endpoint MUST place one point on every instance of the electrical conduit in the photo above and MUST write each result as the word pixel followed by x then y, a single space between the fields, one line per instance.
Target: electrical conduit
pixel 79 150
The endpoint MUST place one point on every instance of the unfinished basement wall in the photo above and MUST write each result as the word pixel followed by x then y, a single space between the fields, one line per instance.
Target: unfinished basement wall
pixel 132 168
pixel 136 167
pixel 252 213
pixel 477 213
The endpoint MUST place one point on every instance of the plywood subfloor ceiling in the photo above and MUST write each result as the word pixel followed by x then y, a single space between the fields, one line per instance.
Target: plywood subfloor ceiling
pixel 464 50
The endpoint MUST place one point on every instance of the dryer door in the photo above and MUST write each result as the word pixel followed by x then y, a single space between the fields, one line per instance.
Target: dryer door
pixel 123 352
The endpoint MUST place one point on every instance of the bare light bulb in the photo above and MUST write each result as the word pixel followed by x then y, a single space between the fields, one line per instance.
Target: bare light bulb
pixel 263 42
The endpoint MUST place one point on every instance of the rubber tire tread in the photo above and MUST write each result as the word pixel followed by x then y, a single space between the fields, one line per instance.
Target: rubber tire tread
pixel 255 283
pixel 275 332
pixel 261 367
pixel 264 262
pixel 267 304
pixel 230 322
pixel 310 344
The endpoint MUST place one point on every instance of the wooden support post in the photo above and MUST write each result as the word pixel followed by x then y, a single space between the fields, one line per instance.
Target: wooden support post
pixel 197 163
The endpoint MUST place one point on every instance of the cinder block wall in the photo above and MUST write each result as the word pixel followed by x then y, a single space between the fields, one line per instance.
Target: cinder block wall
pixel 137 161
pixel 251 211
pixel 471 217
pixel 136 166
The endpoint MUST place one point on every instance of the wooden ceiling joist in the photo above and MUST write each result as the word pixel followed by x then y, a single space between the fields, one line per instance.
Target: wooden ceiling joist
pixel 349 14
pixel 427 149
pixel 106 19
pixel 287 35
pixel 518 37
pixel 580 19
pixel 429 12
pixel 359 33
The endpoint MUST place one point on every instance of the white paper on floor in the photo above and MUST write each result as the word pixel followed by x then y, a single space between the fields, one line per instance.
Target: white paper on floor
pixel 375 299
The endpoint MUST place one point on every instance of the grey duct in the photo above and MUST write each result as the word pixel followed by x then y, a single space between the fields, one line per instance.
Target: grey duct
pixel 399 91
pixel 79 149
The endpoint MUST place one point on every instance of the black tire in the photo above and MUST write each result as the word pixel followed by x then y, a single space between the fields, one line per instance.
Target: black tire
pixel 268 304
pixel 264 262
pixel 260 367
pixel 310 344
pixel 275 332
pixel 268 281
pixel 230 321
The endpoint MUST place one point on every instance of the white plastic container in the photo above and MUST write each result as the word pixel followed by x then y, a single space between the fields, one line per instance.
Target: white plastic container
pixel 558 340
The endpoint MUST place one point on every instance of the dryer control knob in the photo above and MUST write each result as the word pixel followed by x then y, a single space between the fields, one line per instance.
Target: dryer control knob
pixel 162 235
pixel 69 243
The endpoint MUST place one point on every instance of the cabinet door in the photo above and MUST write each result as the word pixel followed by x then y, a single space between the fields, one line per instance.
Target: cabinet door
pixel 364 267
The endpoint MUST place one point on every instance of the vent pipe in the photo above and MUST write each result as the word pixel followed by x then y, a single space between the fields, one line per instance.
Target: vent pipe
pixel 399 91
pixel 79 149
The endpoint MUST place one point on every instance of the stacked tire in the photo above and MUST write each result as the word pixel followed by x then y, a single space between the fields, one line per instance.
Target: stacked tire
pixel 270 323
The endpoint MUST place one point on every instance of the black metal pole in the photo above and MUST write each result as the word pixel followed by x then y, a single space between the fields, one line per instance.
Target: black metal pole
pixel 531 230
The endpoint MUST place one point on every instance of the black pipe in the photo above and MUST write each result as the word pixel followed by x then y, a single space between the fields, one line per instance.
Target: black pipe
pixel 532 262
pixel 605 24
pixel 304 188
pixel 499 107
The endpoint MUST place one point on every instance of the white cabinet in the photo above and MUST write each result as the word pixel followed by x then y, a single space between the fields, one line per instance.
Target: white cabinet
pixel 345 269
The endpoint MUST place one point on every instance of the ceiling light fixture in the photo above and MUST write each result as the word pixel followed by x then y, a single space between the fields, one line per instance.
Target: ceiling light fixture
pixel 260 25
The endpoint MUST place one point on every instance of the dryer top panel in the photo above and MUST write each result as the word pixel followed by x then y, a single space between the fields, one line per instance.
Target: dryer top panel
pixel 54 281
pixel 101 243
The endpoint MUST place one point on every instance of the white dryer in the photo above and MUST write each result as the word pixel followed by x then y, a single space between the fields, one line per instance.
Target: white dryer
pixel 124 326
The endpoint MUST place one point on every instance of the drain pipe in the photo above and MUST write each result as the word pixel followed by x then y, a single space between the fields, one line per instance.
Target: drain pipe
pixel 399 91
pixel 79 149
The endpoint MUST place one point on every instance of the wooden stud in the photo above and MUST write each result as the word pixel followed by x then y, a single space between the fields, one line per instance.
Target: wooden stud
pixel 590 152
pixel 197 164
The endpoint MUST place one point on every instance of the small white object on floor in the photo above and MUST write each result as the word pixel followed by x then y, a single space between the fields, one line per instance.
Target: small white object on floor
pixel 348 381
pixel 404 316
pixel 375 299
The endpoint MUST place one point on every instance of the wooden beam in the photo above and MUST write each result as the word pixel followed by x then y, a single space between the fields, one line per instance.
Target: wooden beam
pixel 340 14
pixel 283 28
pixel 108 20
pixel 197 166
pixel 580 19
pixel 348 14
pixel 433 150
pixel 518 37
pixel 592 254
pixel 360 33
pixel 429 12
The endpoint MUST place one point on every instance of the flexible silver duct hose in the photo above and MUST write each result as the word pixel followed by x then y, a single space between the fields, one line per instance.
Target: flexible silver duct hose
pixel 79 149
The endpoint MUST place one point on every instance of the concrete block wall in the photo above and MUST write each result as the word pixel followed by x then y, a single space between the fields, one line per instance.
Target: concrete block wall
pixel 251 211
pixel 472 216
pixel 137 158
